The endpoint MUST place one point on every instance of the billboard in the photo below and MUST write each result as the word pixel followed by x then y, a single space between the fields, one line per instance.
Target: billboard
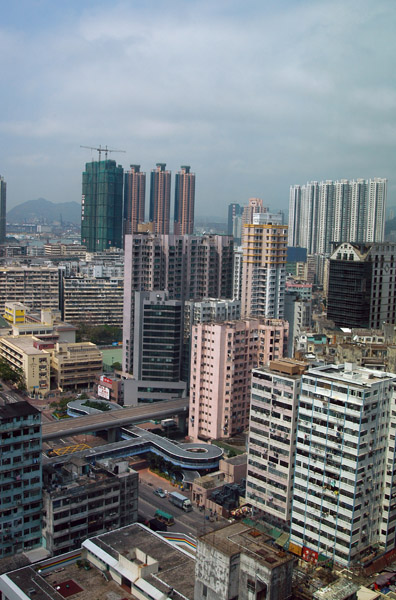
pixel 104 379
pixel 104 392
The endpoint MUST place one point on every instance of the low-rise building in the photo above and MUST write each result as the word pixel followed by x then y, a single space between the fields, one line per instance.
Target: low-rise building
pixel 46 324
pixel 81 500
pixel 75 366
pixel 64 250
pixel 231 470
pixel 24 353
pixel 48 363
pixel 132 562
pixel 239 562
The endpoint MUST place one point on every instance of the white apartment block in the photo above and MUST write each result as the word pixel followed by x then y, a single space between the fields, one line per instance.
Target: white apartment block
pixel 344 492
pixel 35 287
pixel 337 211
pixel 93 300
pixel 272 439
pixel 238 262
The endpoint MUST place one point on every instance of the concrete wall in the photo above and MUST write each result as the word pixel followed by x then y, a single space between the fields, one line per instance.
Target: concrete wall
pixel 217 572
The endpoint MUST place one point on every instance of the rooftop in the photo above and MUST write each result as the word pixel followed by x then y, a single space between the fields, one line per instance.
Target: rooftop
pixel 240 459
pixel 176 569
pixel 24 343
pixel 17 409
pixel 351 373
pixel 239 538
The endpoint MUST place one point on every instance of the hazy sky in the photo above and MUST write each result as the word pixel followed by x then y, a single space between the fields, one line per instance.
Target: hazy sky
pixel 254 95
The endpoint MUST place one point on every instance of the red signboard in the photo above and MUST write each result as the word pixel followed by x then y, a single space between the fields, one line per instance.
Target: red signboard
pixel 310 555
pixel 104 379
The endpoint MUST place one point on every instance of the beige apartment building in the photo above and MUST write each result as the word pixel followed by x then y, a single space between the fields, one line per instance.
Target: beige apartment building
pixel 65 250
pixel 264 251
pixel 70 366
pixel 76 366
pixel 25 353
pixel 35 287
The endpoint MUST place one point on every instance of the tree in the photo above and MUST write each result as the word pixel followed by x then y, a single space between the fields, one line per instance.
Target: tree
pixel 15 375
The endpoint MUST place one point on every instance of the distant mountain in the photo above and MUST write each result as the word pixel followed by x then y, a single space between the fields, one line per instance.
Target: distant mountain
pixel 44 211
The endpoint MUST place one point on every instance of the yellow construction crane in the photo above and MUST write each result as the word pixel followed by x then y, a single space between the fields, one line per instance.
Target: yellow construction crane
pixel 101 149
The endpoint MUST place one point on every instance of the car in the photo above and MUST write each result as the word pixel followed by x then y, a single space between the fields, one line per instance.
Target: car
pixel 160 492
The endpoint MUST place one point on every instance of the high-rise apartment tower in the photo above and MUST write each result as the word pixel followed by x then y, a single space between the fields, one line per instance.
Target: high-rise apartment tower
pixel 184 201
pixel 187 266
pixel 337 211
pixel 134 199
pixel 264 250
pixel 160 187
pixel 101 205
pixel 344 481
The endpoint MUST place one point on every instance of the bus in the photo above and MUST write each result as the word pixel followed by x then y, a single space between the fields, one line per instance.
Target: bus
pixel 164 517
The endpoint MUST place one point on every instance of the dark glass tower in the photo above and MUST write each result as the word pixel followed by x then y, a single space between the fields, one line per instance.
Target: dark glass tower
pixel 101 205
pixel 3 209
pixel 349 293
pixel 184 201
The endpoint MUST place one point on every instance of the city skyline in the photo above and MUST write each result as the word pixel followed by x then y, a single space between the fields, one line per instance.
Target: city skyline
pixel 250 97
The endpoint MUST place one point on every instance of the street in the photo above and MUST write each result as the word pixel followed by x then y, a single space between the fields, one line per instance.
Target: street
pixel 194 523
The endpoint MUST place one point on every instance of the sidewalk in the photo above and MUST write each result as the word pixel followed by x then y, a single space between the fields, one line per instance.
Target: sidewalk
pixel 158 482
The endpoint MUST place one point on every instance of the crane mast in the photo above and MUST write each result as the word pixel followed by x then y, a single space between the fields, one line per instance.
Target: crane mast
pixel 101 149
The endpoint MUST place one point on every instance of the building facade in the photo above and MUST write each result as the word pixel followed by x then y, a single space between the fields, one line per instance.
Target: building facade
pixel 21 484
pixel 93 300
pixel 361 285
pixel 204 311
pixel 222 358
pixel 35 287
pixel 184 202
pixel 298 313
pixel 272 439
pixel 239 562
pixel 24 354
pixel 188 267
pixel 82 500
pixel 337 211
pixel 273 340
pixel 160 189
pixel 263 269
pixel 134 199
pixel 344 481
pixel 75 366
pixel 157 337
pixel 101 205
pixel 234 210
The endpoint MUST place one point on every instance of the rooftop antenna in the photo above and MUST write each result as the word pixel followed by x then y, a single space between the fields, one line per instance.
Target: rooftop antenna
pixel 101 149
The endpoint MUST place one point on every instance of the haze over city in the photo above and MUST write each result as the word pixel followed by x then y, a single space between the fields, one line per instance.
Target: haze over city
pixel 254 96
